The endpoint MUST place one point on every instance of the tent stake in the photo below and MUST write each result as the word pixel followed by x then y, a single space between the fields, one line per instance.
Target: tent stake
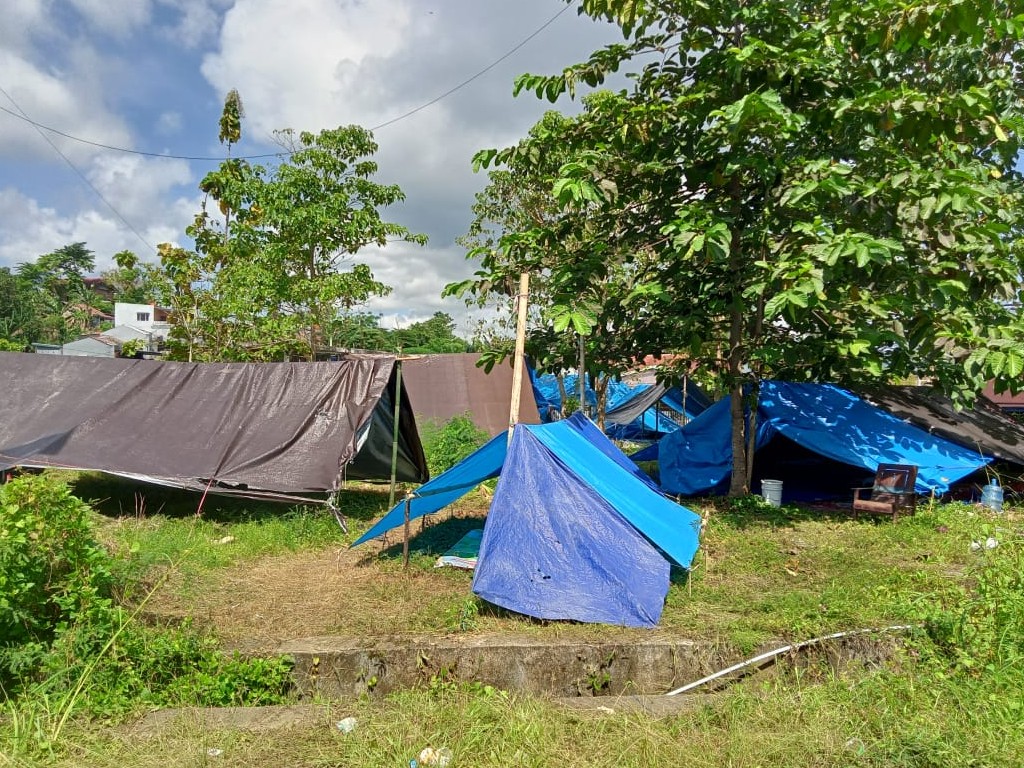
pixel 394 436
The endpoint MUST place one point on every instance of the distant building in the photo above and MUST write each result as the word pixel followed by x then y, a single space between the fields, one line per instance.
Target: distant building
pixel 148 317
pixel 100 287
pixel 145 324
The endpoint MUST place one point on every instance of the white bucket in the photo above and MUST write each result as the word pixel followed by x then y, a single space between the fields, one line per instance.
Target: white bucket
pixel 771 490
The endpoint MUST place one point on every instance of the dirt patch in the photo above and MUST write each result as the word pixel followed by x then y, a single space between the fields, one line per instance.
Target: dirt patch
pixel 335 591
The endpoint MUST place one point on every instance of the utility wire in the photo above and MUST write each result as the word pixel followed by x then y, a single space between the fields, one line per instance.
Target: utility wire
pixel 199 158
pixel 82 176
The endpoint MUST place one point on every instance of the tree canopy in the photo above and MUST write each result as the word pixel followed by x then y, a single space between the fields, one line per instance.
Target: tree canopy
pixel 270 272
pixel 796 190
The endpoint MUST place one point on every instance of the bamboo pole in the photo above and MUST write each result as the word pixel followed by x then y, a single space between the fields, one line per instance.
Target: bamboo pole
pixel 581 378
pixel 394 434
pixel 518 363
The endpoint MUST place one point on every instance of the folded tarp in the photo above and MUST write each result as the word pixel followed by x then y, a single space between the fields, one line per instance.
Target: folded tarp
pixel 826 420
pixel 624 418
pixel 257 428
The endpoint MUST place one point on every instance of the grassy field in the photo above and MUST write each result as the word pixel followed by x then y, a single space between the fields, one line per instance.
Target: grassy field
pixel 256 574
pixel 762 573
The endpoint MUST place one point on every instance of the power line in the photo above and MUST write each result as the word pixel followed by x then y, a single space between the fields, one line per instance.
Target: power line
pixel 199 158
pixel 75 168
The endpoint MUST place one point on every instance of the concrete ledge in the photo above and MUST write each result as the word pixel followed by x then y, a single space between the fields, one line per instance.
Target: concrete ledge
pixel 338 668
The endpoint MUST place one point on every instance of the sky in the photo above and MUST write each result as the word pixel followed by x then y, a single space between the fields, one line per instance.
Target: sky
pixel 151 76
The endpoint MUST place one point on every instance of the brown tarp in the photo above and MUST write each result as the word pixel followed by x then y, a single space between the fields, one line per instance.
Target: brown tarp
pixel 443 386
pixel 984 427
pixel 277 428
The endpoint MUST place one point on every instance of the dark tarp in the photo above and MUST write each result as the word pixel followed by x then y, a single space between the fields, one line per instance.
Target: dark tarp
pixel 443 386
pixel 622 401
pixel 261 428
pixel 985 428
pixel 826 421
pixel 691 404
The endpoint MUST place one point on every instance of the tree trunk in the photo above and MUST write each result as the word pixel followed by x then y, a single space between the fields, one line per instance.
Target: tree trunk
pixel 601 395
pixel 739 484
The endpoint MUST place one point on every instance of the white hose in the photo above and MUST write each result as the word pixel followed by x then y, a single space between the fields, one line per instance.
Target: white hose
pixel 793 647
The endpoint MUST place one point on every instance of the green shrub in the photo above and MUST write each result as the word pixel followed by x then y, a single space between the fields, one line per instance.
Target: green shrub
pixel 65 640
pixel 53 573
pixel 983 629
pixel 448 444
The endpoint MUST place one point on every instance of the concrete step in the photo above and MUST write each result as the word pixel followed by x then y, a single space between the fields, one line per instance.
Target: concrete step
pixel 338 668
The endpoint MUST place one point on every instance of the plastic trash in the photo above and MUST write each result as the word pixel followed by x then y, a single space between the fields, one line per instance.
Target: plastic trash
pixel 214 752
pixel 347 725
pixel 991 543
pixel 975 546
pixel 439 757
pixel 992 496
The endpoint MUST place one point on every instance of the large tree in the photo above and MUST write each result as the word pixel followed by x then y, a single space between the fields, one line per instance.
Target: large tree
pixel 806 190
pixel 527 221
pixel 55 300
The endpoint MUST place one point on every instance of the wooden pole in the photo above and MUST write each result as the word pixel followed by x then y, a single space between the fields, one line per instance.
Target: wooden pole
pixel 405 538
pixel 518 363
pixel 394 435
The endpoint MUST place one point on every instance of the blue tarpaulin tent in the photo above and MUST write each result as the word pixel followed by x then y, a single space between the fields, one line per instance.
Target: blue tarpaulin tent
pixel 648 421
pixel 573 532
pixel 823 419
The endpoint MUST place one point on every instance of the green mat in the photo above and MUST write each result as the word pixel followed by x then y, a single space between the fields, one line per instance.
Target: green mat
pixel 464 552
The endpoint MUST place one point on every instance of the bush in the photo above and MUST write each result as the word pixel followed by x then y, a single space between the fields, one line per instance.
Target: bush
pixel 447 445
pixel 64 638
pixel 53 573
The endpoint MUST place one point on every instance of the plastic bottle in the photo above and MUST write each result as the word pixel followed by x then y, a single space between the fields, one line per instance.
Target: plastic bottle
pixel 992 496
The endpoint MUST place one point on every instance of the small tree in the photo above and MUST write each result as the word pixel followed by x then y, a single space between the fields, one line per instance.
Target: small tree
pixel 274 282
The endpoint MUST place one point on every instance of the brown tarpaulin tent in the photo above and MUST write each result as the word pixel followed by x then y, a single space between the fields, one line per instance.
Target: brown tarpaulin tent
pixel 443 386
pixel 257 428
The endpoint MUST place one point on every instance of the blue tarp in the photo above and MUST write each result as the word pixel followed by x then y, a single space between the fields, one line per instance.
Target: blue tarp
pixel 483 464
pixel 555 548
pixel 578 531
pixel 651 422
pixel 823 418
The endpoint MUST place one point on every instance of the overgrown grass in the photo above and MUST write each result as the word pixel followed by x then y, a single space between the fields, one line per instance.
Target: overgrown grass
pixel 762 574
pixel 914 718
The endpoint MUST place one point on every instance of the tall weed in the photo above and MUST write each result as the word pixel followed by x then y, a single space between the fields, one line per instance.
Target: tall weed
pixel 445 445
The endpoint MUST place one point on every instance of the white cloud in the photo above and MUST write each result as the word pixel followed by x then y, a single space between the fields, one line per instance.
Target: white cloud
pixel 59 99
pixel 197 22
pixel 169 123
pixel 116 19
pixel 22 20
pixel 142 191
pixel 297 64
pixel 308 65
